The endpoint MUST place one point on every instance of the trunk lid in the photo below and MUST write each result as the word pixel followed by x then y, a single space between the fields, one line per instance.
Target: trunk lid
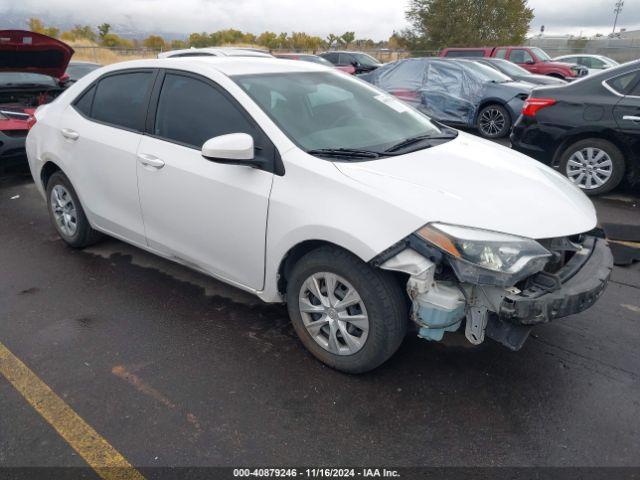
pixel 24 51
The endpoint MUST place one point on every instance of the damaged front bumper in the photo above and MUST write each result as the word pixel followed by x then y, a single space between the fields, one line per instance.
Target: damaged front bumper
pixel 504 314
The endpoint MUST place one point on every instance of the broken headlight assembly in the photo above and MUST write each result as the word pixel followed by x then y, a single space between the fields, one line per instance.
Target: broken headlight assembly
pixel 485 257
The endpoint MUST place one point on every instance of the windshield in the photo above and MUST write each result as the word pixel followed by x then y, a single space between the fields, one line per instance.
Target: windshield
pixel 509 68
pixel 24 79
pixel 486 73
pixel 541 54
pixel 366 60
pixel 330 110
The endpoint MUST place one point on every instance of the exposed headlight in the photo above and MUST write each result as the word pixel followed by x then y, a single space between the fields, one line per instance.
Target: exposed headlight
pixel 486 257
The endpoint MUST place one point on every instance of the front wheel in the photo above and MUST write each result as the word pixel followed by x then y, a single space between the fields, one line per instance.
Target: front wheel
pixel 349 315
pixel 494 121
pixel 595 165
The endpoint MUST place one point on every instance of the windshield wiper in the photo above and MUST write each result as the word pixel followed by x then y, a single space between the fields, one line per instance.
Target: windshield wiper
pixel 344 152
pixel 418 138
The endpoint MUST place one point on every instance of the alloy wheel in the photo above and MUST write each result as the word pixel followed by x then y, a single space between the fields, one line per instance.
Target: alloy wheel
pixel 333 313
pixel 492 122
pixel 64 210
pixel 589 168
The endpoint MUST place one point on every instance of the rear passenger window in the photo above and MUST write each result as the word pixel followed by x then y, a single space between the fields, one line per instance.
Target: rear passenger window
pixel 191 112
pixel 83 104
pixel 121 100
pixel 501 53
pixel 622 83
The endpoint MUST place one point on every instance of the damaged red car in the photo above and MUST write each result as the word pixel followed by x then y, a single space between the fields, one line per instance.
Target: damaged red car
pixel 32 73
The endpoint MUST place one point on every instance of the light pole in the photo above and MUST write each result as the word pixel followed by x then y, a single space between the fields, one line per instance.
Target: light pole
pixel 617 10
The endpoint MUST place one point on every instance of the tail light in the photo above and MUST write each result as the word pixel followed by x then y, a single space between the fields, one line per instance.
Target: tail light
pixel 532 105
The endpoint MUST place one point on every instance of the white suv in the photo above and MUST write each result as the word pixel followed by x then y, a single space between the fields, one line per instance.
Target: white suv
pixel 306 186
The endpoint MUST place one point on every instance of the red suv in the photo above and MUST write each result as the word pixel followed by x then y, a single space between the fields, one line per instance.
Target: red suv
pixel 533 59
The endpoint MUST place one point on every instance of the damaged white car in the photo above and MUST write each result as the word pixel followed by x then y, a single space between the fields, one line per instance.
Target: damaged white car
pixel 310 187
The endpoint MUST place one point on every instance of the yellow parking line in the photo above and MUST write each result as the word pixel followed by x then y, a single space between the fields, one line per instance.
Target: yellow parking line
pixel 94 449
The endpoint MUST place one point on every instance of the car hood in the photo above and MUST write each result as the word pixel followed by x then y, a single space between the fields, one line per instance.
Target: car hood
pixel 473 182
pixel 23 51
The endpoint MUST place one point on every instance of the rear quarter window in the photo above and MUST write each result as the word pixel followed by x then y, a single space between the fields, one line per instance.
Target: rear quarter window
pixel 622 84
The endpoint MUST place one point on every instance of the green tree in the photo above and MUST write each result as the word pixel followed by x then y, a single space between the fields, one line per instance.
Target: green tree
pixel 347 38
pixel 83 31
pixel 154 42
pixel 103 30
pixel 463 23
pixel 199 40
pixel 332 40
pixel 178 44
pixel 36 25
pixel 112 40
pixel 268 39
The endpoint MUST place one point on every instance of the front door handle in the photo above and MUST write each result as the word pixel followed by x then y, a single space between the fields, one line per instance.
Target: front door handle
pixel 150 160
pixel 633 118
pixel 70 134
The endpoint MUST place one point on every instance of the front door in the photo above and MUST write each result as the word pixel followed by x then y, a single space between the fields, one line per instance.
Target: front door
pixel 205 214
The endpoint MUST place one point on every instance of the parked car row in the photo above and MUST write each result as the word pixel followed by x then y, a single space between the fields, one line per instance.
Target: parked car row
pixel 532 59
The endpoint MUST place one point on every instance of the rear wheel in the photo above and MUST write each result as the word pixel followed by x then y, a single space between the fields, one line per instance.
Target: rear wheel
pixel 67 214
pixel 595 165
pixel 348 314
pixel 494 121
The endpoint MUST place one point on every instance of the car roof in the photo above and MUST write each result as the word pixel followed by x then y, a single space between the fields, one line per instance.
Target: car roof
pixel 218 51
pixel 229 66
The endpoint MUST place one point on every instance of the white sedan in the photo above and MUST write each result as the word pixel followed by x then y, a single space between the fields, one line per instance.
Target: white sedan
pixel 306 186
pixel 593 63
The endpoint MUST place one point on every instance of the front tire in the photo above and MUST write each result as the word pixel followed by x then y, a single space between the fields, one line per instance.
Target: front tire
pixel 494 121
pixel 595 165
pixel 67 214
pixel 349 315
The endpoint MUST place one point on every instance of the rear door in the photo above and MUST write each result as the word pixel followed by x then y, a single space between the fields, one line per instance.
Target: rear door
pixel 208 215
pixel 627 110
pixel 101 131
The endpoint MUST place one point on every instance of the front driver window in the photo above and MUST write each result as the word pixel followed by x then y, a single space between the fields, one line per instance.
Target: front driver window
pixel 520 56
pixel 191 111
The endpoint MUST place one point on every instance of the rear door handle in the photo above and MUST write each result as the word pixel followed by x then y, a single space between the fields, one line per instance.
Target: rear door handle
pixel 633 118
pixel 70 134
pixel 150 160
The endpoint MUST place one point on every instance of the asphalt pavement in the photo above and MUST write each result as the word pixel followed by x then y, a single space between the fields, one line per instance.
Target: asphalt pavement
pixel 173 368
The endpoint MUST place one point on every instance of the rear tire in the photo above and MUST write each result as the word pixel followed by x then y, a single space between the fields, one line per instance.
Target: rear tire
pixel 595 165
pixel 494 121
pixel 377 305
pixel 67 214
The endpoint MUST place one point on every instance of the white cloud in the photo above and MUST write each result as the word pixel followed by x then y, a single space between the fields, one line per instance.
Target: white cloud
pixel 375 19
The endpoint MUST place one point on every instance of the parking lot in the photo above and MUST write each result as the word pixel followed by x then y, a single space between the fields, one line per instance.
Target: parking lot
pixel 172 368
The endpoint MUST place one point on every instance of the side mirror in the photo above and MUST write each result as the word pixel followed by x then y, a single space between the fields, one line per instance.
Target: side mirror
pixel 232 149
pixel 355 63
